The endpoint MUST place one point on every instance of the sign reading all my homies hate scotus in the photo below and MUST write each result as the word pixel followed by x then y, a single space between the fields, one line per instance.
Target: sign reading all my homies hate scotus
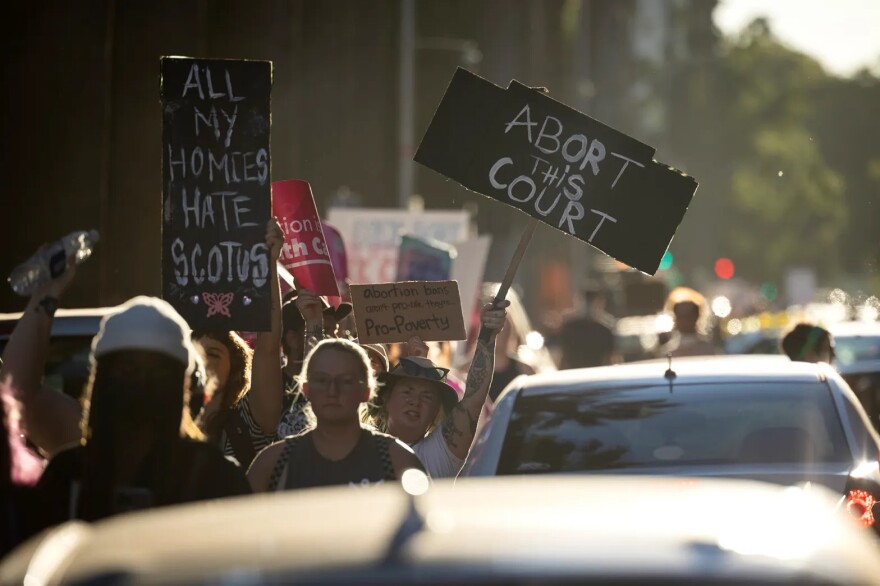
pixel 525 149
pixel 216 191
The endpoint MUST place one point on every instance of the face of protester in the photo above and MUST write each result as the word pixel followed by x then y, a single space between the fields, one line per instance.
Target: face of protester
pixel 217 360
pixel 335 386
pixel 413 405
pixel 294 340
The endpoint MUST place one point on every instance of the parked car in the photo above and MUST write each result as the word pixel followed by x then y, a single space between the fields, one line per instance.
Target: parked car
pixel 756 417
pixel 492 531
pixel 67 363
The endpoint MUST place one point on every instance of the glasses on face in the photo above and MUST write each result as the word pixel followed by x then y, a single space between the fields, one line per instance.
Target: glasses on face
pixel 429 372
pixel 321 382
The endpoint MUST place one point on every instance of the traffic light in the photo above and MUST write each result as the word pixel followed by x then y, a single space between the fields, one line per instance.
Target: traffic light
pixel 666 261
pixel 724 268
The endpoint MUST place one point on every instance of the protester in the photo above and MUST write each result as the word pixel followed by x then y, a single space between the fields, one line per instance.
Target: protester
pixel 588 339
pixel 306 319
pixel 136 449
pixel 336 379
pixel 243 411
pixel 378 357
pixel 20 470
pixel 690 313
pixel 415 404
pixel 808 342
pixel 227 418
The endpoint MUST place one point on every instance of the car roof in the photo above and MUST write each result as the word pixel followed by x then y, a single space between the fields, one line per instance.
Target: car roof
pixel 519 526
pixel 855 328
pixel 698 369
pixel 67 322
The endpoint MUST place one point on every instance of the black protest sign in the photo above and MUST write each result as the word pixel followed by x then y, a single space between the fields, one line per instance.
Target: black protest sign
pixel 525 149
pixel 216 191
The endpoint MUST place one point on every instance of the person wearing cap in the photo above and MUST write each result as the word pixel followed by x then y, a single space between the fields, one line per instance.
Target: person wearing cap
pixel 416 404
pixel 336 379
pixel 139 447
pixel 307 318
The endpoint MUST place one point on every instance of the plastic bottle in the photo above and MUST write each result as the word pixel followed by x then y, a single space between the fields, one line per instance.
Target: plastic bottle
pixel 51 262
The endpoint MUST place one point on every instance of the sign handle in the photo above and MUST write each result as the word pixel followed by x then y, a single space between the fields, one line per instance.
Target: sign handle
pixel 511 270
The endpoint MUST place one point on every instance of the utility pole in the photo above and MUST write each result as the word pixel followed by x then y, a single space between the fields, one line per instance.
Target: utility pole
pixel 406 95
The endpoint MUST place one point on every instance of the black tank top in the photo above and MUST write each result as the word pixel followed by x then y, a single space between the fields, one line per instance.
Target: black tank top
pixel 368 463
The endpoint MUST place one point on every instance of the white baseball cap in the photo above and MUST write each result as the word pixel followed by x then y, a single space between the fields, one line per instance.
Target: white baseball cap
pixel 146 323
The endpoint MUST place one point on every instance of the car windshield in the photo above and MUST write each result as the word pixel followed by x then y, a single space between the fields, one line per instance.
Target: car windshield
pixel 695 424
pixel 851 349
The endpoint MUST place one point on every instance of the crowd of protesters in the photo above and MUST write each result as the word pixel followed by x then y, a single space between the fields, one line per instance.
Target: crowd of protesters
pixel 170 415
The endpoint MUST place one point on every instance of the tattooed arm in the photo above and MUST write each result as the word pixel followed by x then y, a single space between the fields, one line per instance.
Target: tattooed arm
pixel 461 425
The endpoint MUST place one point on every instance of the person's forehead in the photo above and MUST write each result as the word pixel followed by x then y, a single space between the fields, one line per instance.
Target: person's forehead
pixel 331 359
pixel 210 343
pixel 415 384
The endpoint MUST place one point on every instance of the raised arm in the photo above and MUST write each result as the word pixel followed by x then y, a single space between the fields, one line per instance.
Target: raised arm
pixel 312 311
pixel 51 419
pixel 461 425
pixel 265 395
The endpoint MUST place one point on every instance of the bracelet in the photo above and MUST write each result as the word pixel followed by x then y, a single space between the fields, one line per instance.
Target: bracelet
pixel 48 305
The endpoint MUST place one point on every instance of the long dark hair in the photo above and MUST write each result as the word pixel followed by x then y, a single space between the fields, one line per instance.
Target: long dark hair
pixel 238 383
pixel 114 408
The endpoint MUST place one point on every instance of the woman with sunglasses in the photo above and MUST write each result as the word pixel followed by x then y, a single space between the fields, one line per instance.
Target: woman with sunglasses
pixel 416 404
pixel 336 379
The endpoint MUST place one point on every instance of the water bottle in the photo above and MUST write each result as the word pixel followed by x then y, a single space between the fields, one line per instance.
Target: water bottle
pixel 51 262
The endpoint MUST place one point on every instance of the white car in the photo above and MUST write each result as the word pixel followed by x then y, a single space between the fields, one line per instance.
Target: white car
pixel 645 531
pixel 753 417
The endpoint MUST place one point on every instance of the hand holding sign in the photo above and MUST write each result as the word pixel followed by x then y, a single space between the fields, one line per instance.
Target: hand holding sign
pixel 493 316
pixel 274 240
pixel 415 347
pixel 309 306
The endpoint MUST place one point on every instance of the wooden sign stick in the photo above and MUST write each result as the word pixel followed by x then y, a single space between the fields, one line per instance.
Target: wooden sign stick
pixel 511 270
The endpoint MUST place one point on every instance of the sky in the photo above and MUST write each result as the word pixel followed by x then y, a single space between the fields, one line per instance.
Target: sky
pixel 843 35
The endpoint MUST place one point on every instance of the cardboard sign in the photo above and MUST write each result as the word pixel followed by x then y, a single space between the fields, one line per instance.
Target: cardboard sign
pixel 372 236
pixel 525 149
pixel 421 259
pixel 304 253
pixel 216 197
pixel 395 312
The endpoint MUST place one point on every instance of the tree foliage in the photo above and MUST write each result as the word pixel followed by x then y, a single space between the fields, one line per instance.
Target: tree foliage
pixel 786 156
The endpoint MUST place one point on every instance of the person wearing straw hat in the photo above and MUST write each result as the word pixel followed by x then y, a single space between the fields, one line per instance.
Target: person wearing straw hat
pixel 416 404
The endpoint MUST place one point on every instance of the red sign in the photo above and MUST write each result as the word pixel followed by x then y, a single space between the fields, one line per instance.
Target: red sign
pixel 305 252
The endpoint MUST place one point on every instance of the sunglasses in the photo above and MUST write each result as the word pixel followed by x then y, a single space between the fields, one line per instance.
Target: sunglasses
pixel 411 368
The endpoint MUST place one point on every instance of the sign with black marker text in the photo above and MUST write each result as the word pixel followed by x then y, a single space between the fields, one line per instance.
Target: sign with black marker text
pixel 216 191
pixel 395 312
pixel 525 149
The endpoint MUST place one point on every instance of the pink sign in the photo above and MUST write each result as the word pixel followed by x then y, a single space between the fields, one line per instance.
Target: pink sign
pixel 336 247
pixel 305 252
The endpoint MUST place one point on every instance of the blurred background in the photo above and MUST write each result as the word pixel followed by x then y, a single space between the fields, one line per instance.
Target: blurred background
pixel 771 106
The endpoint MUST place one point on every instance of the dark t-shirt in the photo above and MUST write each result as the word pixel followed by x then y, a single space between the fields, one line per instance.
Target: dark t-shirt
pixel 198 471
pixel 368 463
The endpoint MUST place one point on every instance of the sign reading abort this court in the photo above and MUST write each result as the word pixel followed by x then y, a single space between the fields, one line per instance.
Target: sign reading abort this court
pixel 216 191
pixel 525 149
pixel 395 312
